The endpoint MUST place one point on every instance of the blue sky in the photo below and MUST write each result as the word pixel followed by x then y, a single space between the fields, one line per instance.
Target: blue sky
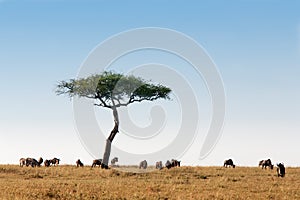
pixel 255 44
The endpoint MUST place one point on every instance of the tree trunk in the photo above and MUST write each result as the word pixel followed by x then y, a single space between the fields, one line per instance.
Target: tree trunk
pixel 110 139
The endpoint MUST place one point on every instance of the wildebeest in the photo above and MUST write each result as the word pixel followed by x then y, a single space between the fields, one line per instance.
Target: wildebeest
pixel 266 163
pixel 158 165
pixel 40 161
pixel 280 170
pixel 55 161
pixel 168 164
pixel 96 162
pixel 175 163
pixel 229 163
pixel 33 162
pixel 79 163
pixel 114 160
pixel 143 164
pixel 47 163
pixel 22 162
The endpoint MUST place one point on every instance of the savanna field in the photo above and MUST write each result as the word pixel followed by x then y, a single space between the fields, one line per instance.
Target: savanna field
pixel 70 182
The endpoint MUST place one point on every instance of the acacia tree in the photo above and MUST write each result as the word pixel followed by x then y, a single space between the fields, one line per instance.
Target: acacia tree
pixel 113 90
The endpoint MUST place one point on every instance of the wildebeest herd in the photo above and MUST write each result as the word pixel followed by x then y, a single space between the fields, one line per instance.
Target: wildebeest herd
pixel 31 162
pixel 264 164
pixel 159 165
pixel 142 165
pixel 34 163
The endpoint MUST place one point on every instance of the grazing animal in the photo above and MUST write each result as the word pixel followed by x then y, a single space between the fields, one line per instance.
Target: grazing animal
pixel 33 162
pixel 168 164
pixel 143 164
pixel 280 170
pixel 55 161
pixel 266 163
pixel 114 160
pixel 175 163
pixel 29 161
pixel 229 163
pixel 40 161
pixel 22 162
pixel 47 163
pixel 97 162
pixel 79 163
pixel 159 165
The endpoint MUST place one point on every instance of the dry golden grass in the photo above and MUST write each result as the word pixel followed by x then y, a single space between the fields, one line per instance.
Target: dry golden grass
pixel 69 182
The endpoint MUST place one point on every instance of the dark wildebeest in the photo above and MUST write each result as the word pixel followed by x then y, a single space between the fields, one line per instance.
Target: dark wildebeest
pixel 47 163
pixel 55 161
pixel 143 164
pixel 97 162
pixel 79 163
pixel 168 164
pixel 22 162
pixel 40 161
pixel 266 163
pixel 280 170
pixel 159 165
pixel 229 163
pixel 113 161
pixel 33 162
pixel 175 163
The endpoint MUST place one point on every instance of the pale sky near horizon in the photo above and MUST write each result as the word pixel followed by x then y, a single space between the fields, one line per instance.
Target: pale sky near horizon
pixel 255 45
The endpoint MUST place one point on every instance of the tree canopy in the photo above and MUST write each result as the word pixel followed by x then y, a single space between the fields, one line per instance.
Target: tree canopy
pixel 113 89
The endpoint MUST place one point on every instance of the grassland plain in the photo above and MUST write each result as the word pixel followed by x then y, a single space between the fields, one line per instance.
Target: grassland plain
pixel 69 182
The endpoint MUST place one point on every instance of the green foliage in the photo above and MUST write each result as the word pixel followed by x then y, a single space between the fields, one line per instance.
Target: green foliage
pixel 113 89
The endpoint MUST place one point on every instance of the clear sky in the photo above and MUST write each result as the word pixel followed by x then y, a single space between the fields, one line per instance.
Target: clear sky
pixel 255 44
